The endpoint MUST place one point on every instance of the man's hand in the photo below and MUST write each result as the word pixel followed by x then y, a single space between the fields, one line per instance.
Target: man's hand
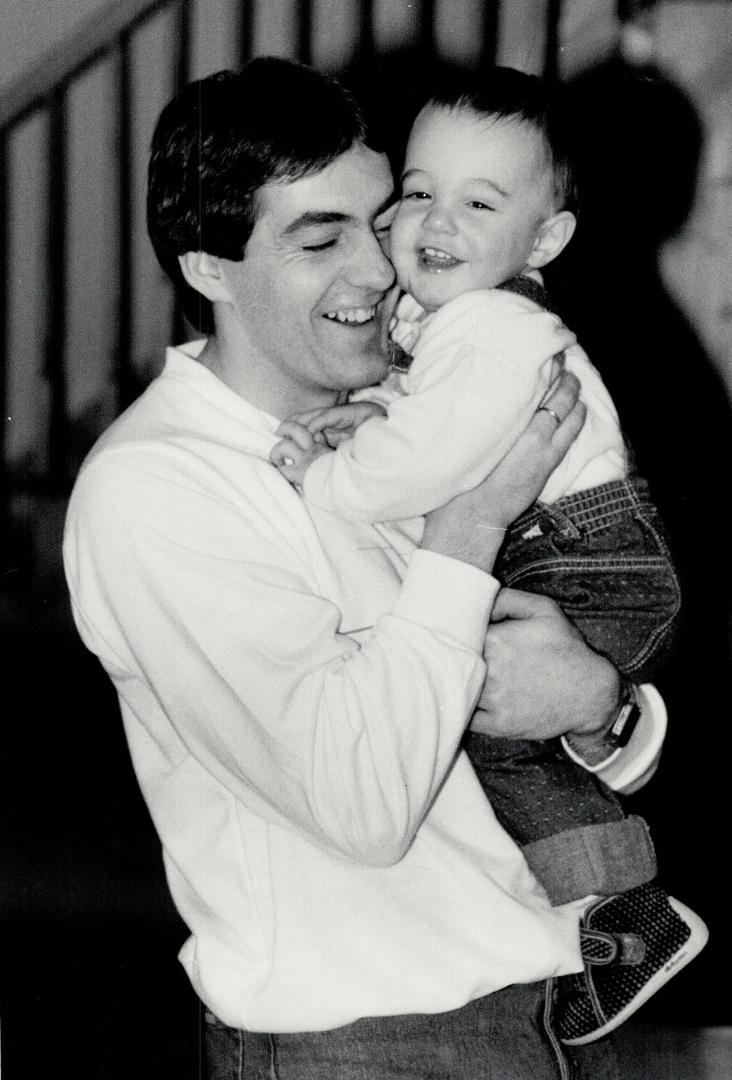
pixel 296 450
pixel 471 526
pixel 338 422
pixel 543 680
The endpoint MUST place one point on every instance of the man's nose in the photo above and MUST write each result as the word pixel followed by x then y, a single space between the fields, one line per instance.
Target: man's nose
pixel 371 268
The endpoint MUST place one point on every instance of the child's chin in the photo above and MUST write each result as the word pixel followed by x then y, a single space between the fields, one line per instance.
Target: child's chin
pixel 435 294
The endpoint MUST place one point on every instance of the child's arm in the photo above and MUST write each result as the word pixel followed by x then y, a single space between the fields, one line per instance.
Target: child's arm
pixel 296 450
pixel 479 373
pixel 339 422
pixel 306 436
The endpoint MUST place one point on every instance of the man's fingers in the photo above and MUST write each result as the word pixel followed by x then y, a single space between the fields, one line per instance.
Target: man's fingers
pixel 516 604
pixel 570 428
pixel 563 397
pixel 563 412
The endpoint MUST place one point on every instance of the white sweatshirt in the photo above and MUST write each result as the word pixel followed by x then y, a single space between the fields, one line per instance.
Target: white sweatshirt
pixel 481 366
pixel 294 689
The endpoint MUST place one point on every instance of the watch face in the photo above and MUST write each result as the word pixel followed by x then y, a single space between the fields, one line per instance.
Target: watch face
pixel 624 725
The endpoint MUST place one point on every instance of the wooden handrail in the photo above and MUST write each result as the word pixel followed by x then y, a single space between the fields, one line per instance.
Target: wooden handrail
pixel 97 35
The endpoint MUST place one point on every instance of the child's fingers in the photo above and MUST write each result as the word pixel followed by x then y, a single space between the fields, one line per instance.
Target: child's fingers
pixel 298 433
pixel 345 417
pixel 285 454
pixel 338 417
pixel 335 436
pixel 308 418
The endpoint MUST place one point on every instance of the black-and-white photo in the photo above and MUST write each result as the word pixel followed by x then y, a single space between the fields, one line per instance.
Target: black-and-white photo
pixel 364 582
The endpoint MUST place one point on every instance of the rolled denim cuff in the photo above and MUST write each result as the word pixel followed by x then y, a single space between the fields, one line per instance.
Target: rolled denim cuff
pixel 603 859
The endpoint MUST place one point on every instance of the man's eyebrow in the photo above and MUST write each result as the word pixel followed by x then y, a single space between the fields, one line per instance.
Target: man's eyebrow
pixel 315 217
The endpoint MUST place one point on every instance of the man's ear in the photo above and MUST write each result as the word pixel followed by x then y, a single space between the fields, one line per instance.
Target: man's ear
pixel 203 273
pixel 552 236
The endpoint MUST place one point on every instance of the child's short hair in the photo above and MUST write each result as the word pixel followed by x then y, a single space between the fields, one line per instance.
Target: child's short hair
pixel 507 93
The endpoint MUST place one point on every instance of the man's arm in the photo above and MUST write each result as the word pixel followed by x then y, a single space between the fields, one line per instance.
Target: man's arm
pixel 218 619
pixel 215 611
pixel 544 681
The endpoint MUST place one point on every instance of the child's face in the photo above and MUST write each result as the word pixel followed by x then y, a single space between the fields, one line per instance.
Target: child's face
pixel 475 192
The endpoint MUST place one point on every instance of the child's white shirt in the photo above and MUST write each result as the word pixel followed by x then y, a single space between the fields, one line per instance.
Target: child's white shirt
pixel 481 366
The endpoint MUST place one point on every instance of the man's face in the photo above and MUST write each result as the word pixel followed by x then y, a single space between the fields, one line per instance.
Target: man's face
pixel 309 292
pixel 475 191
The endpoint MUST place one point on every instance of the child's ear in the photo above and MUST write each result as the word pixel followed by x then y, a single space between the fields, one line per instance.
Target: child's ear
pixel 552 236
pixel 203 273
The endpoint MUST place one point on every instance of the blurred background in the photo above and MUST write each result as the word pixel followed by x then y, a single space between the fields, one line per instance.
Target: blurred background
pixel 90 984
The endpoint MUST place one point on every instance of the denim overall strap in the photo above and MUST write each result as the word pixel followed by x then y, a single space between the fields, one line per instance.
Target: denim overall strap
pixel 528 287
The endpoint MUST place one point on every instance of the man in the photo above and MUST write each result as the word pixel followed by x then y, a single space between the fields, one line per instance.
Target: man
pixel 294 688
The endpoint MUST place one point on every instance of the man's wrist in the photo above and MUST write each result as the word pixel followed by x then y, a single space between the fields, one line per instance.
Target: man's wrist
pixel 597 742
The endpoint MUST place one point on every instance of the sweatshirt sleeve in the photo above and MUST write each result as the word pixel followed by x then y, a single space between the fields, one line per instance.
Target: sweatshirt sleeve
pixel 213 620
pixel 630 768
pixel 482 366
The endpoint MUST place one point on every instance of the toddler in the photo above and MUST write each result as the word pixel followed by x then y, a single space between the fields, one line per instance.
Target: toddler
pixel 487 201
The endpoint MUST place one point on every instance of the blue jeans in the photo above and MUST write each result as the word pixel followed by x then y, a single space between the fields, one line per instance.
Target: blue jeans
pixel 602 555
pixel 504 1036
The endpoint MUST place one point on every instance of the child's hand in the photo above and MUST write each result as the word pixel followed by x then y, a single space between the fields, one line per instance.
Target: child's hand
pixel 296 450
pixel 338 422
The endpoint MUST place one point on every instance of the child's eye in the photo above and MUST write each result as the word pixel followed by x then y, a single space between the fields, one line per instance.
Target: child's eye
pixel 476 204
pixel 415 195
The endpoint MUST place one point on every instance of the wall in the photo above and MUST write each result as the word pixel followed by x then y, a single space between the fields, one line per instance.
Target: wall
pixel 693 43
pixel 30 28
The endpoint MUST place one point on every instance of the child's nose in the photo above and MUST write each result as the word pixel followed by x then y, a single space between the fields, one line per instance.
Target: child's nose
pixel 439 218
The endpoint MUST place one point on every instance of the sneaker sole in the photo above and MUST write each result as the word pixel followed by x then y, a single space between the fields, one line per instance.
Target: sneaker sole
pixel 693 945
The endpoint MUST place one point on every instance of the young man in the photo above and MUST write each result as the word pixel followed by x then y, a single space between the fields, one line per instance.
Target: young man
pixel 294 688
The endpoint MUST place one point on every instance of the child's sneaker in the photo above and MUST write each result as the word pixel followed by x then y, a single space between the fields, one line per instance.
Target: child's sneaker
pixel 632 944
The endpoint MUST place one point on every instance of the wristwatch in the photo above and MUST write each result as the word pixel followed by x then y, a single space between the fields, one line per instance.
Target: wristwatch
pixel 626 718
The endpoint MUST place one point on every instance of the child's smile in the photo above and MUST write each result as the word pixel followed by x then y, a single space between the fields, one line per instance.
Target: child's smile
pixel 475 193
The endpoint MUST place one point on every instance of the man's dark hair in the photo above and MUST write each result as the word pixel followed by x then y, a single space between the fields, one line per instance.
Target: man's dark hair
pixel 505 93
pixel 223 137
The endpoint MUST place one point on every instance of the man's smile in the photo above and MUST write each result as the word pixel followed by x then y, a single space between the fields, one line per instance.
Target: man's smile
pixel 352 315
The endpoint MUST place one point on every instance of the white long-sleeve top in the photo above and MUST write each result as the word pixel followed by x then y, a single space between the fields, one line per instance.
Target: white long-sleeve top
pixel 294 688
pixel 481 365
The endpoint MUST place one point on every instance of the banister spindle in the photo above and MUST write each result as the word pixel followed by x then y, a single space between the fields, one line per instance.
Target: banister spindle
pixel 181 75
pixel 551 49
pixel 58 161
pixel 246 30
pixel 123 372
pixel 489 30
pixel 426 43
pixel 304 44
pixel 4 337
pixel 184 22
pixel 366 46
